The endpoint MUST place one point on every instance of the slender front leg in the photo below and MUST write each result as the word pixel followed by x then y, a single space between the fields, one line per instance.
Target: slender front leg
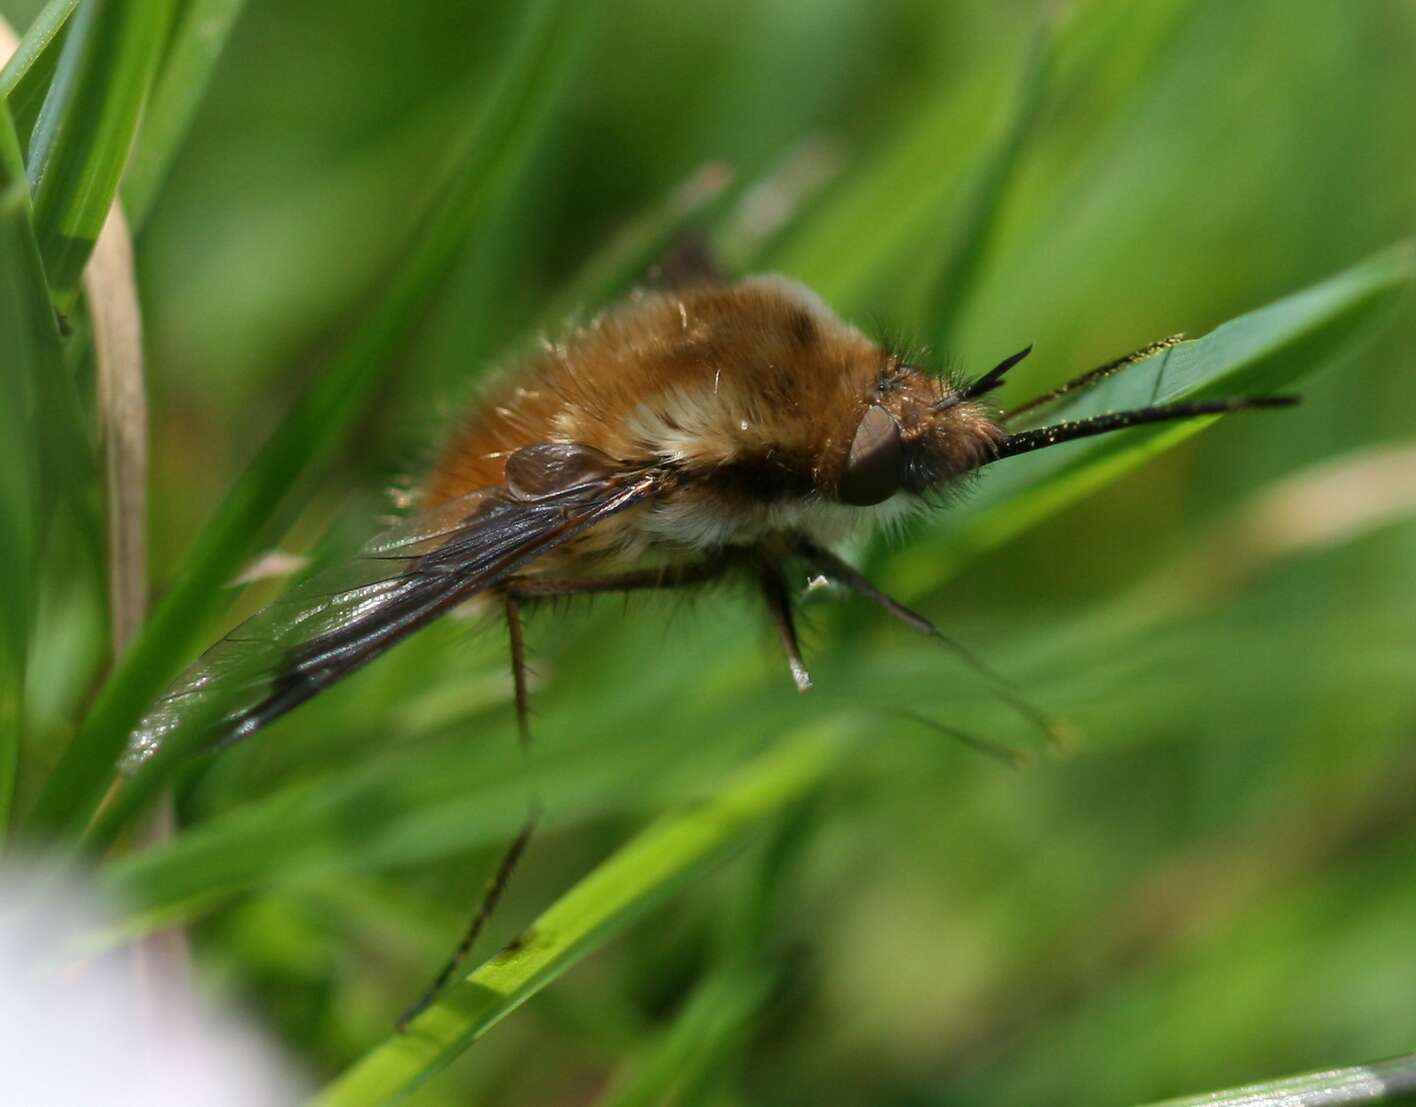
pixel 842 572
pixel 515 593
pixel 501 876
pixel 490 897
pixel 779 605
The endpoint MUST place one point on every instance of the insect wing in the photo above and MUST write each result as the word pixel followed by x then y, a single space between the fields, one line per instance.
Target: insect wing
pixel 339 619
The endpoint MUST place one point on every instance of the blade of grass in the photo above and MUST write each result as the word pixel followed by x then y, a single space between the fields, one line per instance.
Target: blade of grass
pixel 1265 350
pixel 532 75
pixel 196 47
pixel 67 450
pixel 963 260
pixel 25 78
pixel 85 130
pixel 23 363
pixel 644 872
pixel 401 809
pixel 42 445
pixel 1391 1081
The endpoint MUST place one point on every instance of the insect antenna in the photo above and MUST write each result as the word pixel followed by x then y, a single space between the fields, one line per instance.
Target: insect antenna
pixel 1094 376
pixel 984 384
pixel 1023 442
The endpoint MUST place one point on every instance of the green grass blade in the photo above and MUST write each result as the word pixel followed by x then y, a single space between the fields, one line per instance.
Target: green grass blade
pixel 1265 350
pixel 494 155
pixel 640 875
pixel 24 362
pixel 1391 1081
pixel 26 76
pixel 196 48
pixel 12 161
pixel 19 478
pixel 46 458
pixel 86 127
pixel 401 810
pixel 68 452
pixel 964 258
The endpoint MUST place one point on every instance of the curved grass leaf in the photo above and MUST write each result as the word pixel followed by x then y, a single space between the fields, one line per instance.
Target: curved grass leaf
pixel 490 161
pixel 1391 1081
pixel 645 871
pixel 85 129
pixel 402 809
pixel 196 47
pixel 24 362
pixel 26 76
pixel 68 453
pixel 44 452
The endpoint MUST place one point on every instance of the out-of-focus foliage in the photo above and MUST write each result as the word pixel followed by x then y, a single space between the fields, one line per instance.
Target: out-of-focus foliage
pixel 1211 887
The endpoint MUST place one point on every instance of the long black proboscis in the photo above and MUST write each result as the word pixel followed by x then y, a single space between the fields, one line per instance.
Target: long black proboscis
pixel 1039 438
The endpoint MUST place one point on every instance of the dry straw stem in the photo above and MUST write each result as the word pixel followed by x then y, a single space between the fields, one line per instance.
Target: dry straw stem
pixel 110 287
pixel 112 294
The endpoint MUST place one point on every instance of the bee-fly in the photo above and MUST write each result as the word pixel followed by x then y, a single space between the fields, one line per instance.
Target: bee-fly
pixel 724 430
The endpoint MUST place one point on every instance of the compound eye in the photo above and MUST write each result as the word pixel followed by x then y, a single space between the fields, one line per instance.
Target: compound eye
pixel 876 463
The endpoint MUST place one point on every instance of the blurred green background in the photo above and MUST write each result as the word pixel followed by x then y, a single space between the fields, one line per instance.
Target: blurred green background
pixel 1214 885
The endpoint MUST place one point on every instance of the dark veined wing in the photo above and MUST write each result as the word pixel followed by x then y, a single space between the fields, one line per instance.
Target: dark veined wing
pixel 339 620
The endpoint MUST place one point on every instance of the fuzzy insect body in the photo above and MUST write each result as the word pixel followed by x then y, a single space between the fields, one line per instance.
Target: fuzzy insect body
pixel 746 398
pixel 680 437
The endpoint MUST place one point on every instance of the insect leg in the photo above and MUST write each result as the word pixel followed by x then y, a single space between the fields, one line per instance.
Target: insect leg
pixel 515 593
pixel 843 573
pixel 512 606
pixel 496 886
pixel 779 605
